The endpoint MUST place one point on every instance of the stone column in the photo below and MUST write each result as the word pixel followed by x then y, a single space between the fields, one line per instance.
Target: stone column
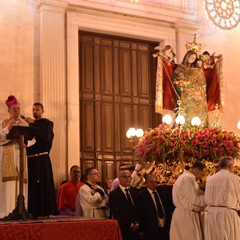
pixel 73 109
pixel 53 78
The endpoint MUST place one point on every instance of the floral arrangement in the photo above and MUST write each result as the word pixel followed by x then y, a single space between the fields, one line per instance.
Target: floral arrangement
pixel 170 150
pixel 170 145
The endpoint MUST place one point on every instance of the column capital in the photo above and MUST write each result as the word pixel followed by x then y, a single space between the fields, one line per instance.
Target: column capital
pixel 51 3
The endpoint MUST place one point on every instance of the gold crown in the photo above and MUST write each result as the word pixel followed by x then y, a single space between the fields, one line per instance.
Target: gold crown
pixel 193 46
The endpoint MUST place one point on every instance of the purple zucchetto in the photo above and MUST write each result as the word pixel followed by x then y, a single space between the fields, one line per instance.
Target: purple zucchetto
pixel 11 101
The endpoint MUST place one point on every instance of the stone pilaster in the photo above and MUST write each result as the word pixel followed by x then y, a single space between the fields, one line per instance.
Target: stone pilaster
pixel 53 78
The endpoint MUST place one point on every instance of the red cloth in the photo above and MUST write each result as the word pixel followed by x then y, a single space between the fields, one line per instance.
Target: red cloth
pixel 213 87
pixel 67 195
pixel 84 230
pixel 169 95
pixel 212 82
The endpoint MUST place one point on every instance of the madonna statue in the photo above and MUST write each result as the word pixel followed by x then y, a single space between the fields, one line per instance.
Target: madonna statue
pixel 190 84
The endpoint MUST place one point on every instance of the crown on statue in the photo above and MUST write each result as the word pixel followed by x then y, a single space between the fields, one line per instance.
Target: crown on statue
pixel 193 46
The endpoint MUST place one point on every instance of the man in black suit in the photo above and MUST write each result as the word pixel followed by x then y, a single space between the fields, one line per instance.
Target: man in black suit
pixel 156 213
pixel 124 206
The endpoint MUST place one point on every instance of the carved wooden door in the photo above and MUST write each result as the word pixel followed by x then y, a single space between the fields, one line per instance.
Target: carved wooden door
pixel 117 91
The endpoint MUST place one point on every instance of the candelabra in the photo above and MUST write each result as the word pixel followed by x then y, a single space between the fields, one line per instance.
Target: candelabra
pixel 133 135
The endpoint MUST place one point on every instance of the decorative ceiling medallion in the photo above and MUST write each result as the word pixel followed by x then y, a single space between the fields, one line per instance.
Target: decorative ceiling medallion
pixel 224 13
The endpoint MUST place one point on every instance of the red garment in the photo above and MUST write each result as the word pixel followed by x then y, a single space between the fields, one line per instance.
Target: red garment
pixel 67 194
pixel 169 95
pixel 213 88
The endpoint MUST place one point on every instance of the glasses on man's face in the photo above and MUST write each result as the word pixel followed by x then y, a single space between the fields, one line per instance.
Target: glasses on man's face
pixel 152 182
pixel 123 169
pixel 96 173
pixel 125 177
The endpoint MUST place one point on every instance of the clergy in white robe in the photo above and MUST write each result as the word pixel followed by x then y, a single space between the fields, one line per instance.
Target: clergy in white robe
pixel 9 159
pixel 91 200
pixel 189 202
pixel 222 196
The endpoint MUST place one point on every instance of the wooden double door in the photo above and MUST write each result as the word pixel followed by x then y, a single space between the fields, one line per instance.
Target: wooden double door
pixel 117 91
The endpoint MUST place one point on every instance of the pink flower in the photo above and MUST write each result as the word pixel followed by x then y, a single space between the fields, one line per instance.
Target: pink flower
pixel 206 152
pixel 185 136
pixel 205 144
pixel 181 142
pixel 161 138
pixel 199 138
pixel 194 142
pixel 175 132
pixel 163 144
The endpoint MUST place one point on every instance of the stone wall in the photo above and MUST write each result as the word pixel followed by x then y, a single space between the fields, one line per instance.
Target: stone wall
pixel 226 43
pixel 19 53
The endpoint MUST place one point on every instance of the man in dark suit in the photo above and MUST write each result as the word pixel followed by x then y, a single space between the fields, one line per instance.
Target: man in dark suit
pixel 124 206
pixel 156 213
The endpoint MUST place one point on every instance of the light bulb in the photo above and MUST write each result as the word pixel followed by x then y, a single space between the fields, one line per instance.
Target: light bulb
pixel 139 132
pixel 196 121
pixel 167 119
pixel 238 124
pixel 180 120
pixel 131 132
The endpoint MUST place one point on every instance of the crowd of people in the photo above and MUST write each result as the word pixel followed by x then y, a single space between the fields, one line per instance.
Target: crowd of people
pixel 147 213
pixel 141 213
pixel 211 213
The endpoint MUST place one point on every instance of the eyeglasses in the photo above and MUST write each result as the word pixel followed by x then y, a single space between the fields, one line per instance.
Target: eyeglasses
pixel 125 177
pixel 94 173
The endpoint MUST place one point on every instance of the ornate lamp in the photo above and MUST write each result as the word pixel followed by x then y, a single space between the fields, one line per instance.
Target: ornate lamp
pixel 133 135
pixel 131 132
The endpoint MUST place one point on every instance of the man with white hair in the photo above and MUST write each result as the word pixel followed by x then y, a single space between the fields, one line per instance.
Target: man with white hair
pixel 9 158
pixel 222 196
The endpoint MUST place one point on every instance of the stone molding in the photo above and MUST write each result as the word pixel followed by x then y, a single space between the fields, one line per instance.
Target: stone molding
pixel 168 12
pixel 53 3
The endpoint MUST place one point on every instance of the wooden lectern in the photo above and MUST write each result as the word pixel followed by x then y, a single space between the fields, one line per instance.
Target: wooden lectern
pixel 20 133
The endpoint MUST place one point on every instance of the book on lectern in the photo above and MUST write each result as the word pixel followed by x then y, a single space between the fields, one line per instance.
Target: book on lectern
pixel 26 131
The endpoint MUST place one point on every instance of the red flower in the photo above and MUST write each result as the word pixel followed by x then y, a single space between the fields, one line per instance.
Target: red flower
pixel 164 144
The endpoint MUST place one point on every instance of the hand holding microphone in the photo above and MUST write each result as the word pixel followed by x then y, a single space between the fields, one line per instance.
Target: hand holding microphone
pixel 27 119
